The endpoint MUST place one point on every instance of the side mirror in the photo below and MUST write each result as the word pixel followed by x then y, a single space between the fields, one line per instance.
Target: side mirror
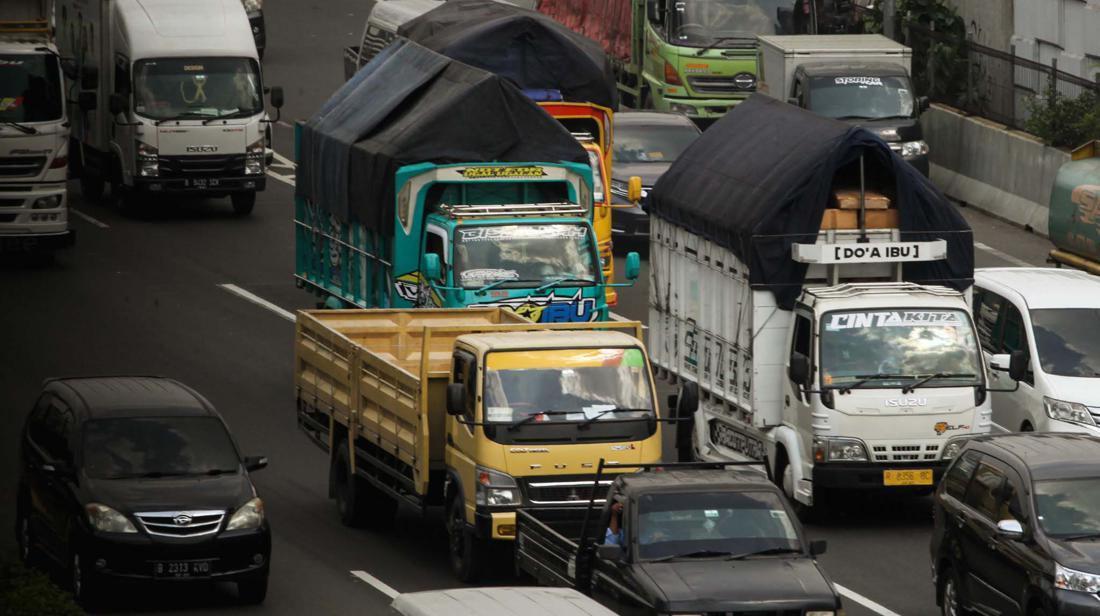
pixel 1017 365
pixel 117 104
pixel 277 97
pixel 87 101
pixel 799 370
pixel 633 266
pixel 456 399
pixel 634 189
pixel 609 552
pixel 69 68
pixel 923 103
pixel 255 463
pixel 817 548
pixel 785 17
pixel 430 266
pixel 1010 529
pixel 89 78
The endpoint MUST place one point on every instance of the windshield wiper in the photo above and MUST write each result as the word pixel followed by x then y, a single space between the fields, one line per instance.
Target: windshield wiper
pixel 555 282
pixel 1077 537
pixel 696 554
pixel 187 115
pixel 855 117
pixel 939 375
pixel 240 113
pixel 588 422
pixel 526 420
pixel 766 552
pixel 23 128
pixel 497 283
pixel 722 39
pixel 867 378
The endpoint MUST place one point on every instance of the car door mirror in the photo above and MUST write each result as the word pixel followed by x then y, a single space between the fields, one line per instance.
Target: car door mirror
pixel 1011 529
pixel 799 370
pixel 69 68
pixel 633 266
pixel 1017 365
pixel 609 552
pixel 923 103
pixel 817 548
pixel 277 97
pixel 654 12
pixel 255 463
pixel 431 267
pixel 456 399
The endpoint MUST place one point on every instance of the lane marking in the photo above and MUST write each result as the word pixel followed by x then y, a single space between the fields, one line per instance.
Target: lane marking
pixel 284 124
pixel 864 601
pixel 378 584
pixel 98 223
pixel 285 179
pixel 1000 254
pixel 259 301
pixel 286 162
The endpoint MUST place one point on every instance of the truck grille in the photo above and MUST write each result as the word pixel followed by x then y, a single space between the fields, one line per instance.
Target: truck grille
pixel 554 491
pixel 21 166
pixel 910 452
pixel 739 83
pixel 181 523
pixel 209 166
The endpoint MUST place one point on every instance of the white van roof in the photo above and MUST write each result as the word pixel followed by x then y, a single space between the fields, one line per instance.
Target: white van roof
pixel 185 28
pixel 392 14
pixel 499 601
pixel 1044 287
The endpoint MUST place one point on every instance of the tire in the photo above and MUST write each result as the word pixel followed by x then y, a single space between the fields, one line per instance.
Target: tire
pixel 465 550
pixel 686 405
pixel 85 586
pixel 784 478
pixel 91 187
pixel 24 536
pixel 1027 427
pixel 951 599
pixel 254 591
pixel 243 202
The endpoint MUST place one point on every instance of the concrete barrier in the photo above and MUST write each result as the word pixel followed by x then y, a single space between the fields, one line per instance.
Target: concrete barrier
pixel 1006 173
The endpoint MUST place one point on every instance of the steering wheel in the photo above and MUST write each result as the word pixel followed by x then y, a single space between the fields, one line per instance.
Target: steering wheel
pixel 691 26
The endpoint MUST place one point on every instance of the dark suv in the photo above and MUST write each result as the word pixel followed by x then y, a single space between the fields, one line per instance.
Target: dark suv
pixel 137 478
pixel 1017 527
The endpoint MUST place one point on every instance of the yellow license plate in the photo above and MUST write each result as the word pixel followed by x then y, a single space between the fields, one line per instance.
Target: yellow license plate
pixel 921 477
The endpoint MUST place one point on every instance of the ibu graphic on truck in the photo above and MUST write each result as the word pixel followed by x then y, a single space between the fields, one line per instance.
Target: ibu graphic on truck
pixel 400 205
pixel 813 299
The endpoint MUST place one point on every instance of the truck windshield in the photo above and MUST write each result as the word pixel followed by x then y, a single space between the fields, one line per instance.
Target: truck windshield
pixel 30 88
pixel 700 23
pixel 1068 341
pixel 525 256
pixel 702 524
pixel 907 345
pixel 197 88
pixel 567 386
pixel 862 97
pixel 132 447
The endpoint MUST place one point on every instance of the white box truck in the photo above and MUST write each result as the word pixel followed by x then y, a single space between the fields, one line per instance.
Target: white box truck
pixel 34 131
pixel 810 290
pixel 178 102
pixel 862 79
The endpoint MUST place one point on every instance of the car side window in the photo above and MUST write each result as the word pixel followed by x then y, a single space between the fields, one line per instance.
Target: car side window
pixel 958 476
pixel 987 309
pixel 1010 505
pixel 984 489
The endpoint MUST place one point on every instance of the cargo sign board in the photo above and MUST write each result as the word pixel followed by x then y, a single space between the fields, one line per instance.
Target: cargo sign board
pixel 877 252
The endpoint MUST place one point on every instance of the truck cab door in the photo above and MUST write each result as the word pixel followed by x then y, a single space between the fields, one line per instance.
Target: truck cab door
pixel 461 447
pixel 436 242
pixel 796 400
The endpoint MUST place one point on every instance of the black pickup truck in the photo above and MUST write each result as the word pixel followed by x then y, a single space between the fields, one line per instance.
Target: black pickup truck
pixel 694 540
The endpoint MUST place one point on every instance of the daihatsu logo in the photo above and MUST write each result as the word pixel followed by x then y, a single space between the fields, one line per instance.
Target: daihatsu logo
pixel 182 520
pixel 202 149
pixel 907 402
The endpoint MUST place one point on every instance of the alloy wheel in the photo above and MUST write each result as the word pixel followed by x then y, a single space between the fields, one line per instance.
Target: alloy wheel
pixel 951 599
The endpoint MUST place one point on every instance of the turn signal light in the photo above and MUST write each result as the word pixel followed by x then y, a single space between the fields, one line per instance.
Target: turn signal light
pixel 671 76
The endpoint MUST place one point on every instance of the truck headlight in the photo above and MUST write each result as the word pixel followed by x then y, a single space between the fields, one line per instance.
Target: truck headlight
pixel 682 109
pixel 254 158
pixel 913 149
pixel 105 519
pixel 1069 579
pixel 1068 411
pixel 249 516
pixel 47 203
pixel 839 450
pixel 495 489
pixel 148 161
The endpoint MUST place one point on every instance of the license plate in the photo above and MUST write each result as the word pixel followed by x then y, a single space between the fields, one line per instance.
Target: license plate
pixel 921 477
pixel 182 569
pixel 18 244
pixel 201 182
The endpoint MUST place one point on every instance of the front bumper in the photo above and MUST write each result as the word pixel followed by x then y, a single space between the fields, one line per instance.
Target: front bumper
pixel 201 185
pixel 500 524
pixel 233 555
pixel 37 242
pixel 1072 603
pixel 869 475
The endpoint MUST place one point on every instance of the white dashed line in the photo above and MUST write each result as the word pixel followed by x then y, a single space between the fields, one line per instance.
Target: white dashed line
pixel 285 179
pixel 378 584
pixel 1000 254
pixel 259 301
pixel 864 601
pixel 283 160
pixel 98 223
pixel 284 124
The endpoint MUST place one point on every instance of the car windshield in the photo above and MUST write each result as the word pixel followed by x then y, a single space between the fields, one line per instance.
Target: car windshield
pixel 30 88
pixel 157 446
pixel 652 144
pixel 721 523
pixel 567 385
pixel 701 23
pixel 1068 507
pixel 198 88
pixel 1068 341
pixel 862 97
pixel 906 344
pixel 526 256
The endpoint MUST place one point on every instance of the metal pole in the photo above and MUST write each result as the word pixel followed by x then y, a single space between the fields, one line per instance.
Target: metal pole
pixel 888 13
pixel 1012 85
pixel 862 202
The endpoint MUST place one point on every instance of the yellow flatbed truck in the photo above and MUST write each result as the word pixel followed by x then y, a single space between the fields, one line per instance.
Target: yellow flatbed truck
pixel 477 410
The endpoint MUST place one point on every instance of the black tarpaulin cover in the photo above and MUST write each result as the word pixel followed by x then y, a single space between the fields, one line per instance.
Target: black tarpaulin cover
pixel 411 105
pixel 527 47
pixel 760 179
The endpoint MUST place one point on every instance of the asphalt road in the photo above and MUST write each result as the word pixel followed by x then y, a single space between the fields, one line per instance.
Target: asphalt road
pixel 145 295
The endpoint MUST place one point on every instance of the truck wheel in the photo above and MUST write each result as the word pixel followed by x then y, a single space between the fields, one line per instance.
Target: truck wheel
pixel 466 550
pixel 349 501
pixel 243 202
pixel 686 405
pixel 784 478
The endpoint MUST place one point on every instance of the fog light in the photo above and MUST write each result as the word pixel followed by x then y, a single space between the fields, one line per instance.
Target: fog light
pixel 100 563
pixel 506 530
pixel 258 559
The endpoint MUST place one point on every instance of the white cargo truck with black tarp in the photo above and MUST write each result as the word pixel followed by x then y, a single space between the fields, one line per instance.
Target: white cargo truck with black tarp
pixel 809 290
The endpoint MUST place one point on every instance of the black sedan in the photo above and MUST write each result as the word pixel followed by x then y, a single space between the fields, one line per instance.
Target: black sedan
pixel 646 144
pixel 138 479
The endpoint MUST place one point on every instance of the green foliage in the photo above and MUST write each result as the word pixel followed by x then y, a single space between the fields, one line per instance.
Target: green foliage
pixel 1062 121
pixel 26 592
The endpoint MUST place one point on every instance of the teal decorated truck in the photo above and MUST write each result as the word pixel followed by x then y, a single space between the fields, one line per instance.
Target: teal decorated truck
pixel 446 187
pixel 1074 219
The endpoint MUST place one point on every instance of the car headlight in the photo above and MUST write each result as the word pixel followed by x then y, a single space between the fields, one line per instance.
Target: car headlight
pixel 683 109
pixel 913 149
pixel 1068 579
pixel 254 158
pixel 839 450
pixel 249 516
pixel 105 519
pixel 1068 411
pixel 495 488
pixel 251 6
pixel 148 161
